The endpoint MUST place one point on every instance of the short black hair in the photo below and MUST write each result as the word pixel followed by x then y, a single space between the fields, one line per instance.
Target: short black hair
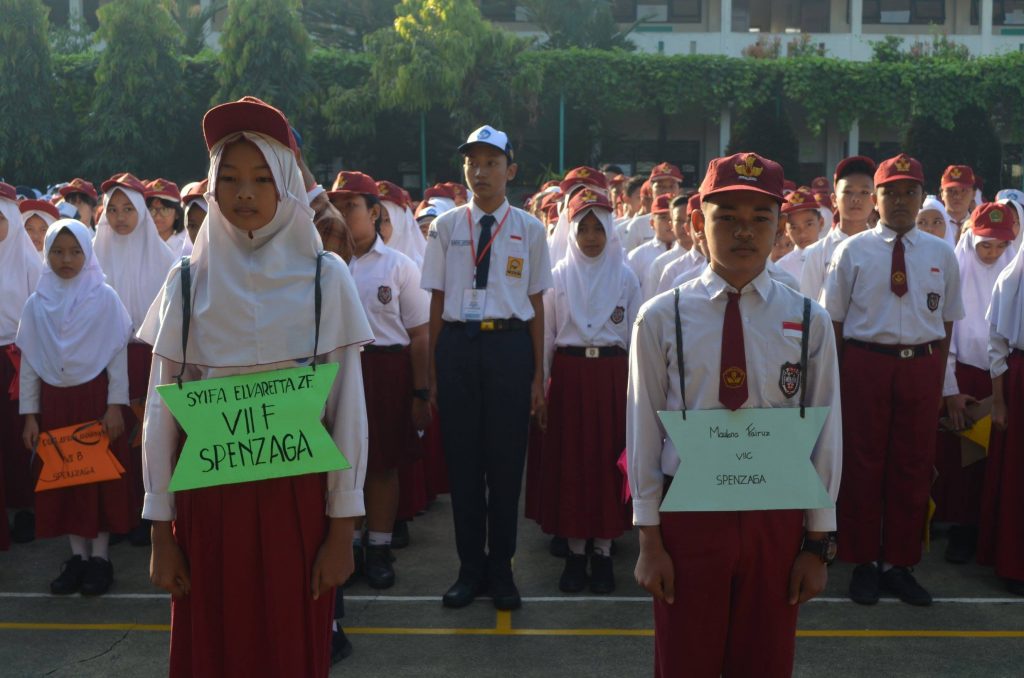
pixel 372 200
pixel 634 184
pixel 77 196
pixel 611 168
pixel 679 201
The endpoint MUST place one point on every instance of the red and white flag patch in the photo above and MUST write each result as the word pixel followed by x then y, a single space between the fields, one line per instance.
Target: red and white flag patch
pixel 792 329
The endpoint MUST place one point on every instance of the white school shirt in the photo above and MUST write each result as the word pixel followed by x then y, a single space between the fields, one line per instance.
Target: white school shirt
pixel 770 267
pixel 765 305
pixel 30 384
pixel 793 264
pixel 560 330
pixel 641 258
pixel 621 226
pixel 638 231
pixel 649 283
pixel 344 415
pixel 857 290
pixel 389 288
pixel 816 258
pixel 179 243
pixel 684 268
pixel 520 264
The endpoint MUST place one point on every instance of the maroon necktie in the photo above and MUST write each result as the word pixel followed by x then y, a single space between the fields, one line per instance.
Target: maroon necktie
pixel 732 382
pixel 898 279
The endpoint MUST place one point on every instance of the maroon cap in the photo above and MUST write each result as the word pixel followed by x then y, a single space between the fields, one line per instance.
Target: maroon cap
pixel 77 185
pixel 820 184
pixel 353 182
pixel 458 190
pixel 662 205
pixel 743 172
pixel 852 165
pixel 617 180
pixel 993 220
pixel 788 185
pixel 587 176
pixel 197 189
pixel 665 170
pixel 123 180
pixel 26 206
pixel 439 191
pixel 163 189
pixel 958 175
pixel 692 203
pixel 899 168
pixel 391 192
pixel 585 200
pixel 248 114
pixel 800 199
pixel 8 191
pixel 550 199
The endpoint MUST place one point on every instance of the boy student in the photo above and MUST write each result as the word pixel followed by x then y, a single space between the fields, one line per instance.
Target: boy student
pixel 683 242
pixel 957 192
pixel 486 267
pixel 693 260
pixel 727 584
pixel 641 258
pixel 854 183
pixel 665 179
pixel 803 223
pixel 893 293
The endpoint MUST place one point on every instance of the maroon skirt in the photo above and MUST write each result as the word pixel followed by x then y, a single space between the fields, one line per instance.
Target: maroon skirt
pixel 387 382
pixel 957 489
pixel 18 479
pixel 140 359
pixel 581 487
pixel 82 510
pixel 436 469
pixel 250 612
pixel 1001 529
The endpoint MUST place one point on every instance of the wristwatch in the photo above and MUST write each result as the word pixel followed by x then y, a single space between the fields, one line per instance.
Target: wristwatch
pixel 421 393
pixel 823 548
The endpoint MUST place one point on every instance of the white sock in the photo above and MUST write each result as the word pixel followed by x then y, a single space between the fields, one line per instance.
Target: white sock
pixel 101 546
pixel 380 538
pixel 602 547
pixel 79 546
pixel 334 625
pixel 577 546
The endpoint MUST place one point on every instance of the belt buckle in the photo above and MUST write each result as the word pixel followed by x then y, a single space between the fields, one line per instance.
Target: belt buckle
pixel 906 353
pixel 592 352
pixel 486 325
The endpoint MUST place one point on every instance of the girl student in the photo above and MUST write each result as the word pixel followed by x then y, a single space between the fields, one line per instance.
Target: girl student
pixel 933 218
pixel 195 207
pixel 405 235
pixel 589 314
pixel 394 366
pixel 163 199
pixel 73 338
pixel 21 267
pixel 252 566
pixel 983 252
pixel 136 261
pixel 37 215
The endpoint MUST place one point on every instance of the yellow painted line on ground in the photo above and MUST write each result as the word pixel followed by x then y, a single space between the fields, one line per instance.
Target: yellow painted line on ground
pixel 504 628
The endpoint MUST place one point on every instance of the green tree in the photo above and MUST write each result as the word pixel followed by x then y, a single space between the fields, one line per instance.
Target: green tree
pixel 765 130
pixel 194 20
pixel 971 141
pixel 26 98
pixel 265 53
pixel 344 24
pixel 135 124
pixel 579 23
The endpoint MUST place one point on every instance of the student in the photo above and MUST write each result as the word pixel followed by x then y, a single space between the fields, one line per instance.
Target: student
pixel 163 199
pixel 893 294
pixel 587 319
pixel 73 338
pixel 641 258
pixel 575 180
pixel 665 179
pixel 933 218
pixel 193 200
pixel 251 567
pixel 425 216
pixel 37 215
pixel 694 259
pixel 683 242
pixel 803 224
pixel 486 267
pixel 983 252
pixel 406 237
pixel 632 197
pixel 957 192
pixel 82 194
pixel 394 366
pixel 727 585
pixel 854 184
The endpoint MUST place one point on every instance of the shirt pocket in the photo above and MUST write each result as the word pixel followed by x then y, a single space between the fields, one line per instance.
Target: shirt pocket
pixel 383 298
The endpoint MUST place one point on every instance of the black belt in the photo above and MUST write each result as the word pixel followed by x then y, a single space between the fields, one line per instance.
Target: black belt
pixel 901 352
pixel 591 351
pixel 493 325
pixel 377 348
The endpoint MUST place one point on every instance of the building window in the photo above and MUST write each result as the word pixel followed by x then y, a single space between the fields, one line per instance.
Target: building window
pixel 685 11
pixel 498 10
pixel 814 16
pixel 1004 12
pixel 904 12
pixel 624 11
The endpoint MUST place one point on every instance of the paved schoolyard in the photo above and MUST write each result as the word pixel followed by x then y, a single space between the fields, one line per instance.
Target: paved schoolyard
pixel 974 629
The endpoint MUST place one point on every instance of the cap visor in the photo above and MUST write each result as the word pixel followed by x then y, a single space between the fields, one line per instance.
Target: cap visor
pixel 899 177
pixel 245 116
pixel 735 189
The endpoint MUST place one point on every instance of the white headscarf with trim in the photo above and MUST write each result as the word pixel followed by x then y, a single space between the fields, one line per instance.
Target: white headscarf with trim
pixel 20 267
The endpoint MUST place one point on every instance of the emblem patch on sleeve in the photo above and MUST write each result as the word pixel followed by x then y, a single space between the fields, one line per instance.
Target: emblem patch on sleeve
pixel 789 379
pixel 384 294
pixel 933 301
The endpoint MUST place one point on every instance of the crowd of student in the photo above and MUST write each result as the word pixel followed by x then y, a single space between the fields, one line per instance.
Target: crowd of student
pixel 475 340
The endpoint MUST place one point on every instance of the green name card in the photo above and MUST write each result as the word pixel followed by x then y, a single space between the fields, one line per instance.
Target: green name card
pixel 253 427
pixel 747 460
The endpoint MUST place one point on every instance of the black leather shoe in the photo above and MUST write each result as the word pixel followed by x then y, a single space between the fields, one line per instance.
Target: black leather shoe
pixel 358 561
pixel 963 541
pixel 864 584
pixel 559 547
pixel 24 529
pixel 341 646
pixel 71 574
pixel 463 592
pixel 505 594
pixel 898 580
pixel 574 575
pixel 1015 586
pixel 380 574
pixel 99 575
pixel 400 535
pixel 602 576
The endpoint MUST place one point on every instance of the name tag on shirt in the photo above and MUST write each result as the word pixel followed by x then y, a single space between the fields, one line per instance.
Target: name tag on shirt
pixel 473 305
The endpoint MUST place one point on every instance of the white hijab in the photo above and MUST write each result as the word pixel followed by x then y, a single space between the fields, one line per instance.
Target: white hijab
pixel 1015 200
pixel 72 329
pixel 1006 310
pixel 558 242
pixel 406 236
pixel 20 267
pixel 593 285
pixel 977 279
pixel 933 203
pixel 253 298
pixel 136 264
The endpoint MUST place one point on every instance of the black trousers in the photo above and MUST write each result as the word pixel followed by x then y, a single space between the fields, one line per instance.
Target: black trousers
pixel 483 393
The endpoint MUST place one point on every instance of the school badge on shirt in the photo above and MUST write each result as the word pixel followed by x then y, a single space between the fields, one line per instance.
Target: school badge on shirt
pixel 933 301
pixel 618 315
pixel 789 379
pixel 514 267
pixel 384 294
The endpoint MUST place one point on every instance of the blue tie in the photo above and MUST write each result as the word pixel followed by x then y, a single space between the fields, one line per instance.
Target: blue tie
pixel 482 269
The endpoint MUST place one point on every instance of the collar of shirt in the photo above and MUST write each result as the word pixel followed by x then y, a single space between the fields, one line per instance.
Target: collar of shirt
pixel 889 235
pixel 376 248
pixel 478 213
pixel 717 286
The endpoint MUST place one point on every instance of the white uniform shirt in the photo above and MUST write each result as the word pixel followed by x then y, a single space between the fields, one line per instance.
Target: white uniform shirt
pixel 641 258
pixel 638 231
pixel 30 385
pixel 344 415
pixel 857 290
pixel 793 264
pixel 560 330
pixel 649 284
pixel 520 265
pixel 389 287
pixel 771 268
pixel 687 267
pixel 816 258
pixel 654 378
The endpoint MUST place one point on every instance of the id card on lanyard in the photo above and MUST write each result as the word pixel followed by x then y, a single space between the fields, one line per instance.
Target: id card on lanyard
pixel 474 300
